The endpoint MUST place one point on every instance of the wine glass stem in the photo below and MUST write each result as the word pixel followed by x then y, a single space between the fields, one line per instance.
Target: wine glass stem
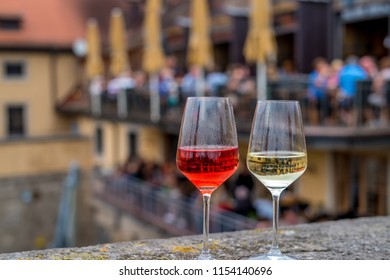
pixel 206 216
pixel 275 203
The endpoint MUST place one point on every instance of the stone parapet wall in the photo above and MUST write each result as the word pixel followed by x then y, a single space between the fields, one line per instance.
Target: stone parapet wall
pixel 364 239
pixel 29 211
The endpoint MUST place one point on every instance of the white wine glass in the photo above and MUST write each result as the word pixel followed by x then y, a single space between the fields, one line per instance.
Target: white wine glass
pixel 207 152
pixel 276 154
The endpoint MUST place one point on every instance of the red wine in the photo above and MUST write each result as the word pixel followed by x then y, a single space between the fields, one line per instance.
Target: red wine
pixel 207 167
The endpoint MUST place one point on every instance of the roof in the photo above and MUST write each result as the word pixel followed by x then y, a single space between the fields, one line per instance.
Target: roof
pixel 53 23
pixel 58 23
pixel 76 101
pixel 44 23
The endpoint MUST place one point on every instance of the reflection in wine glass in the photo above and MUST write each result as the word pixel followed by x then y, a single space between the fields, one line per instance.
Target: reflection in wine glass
pixel 276 154
pixel 207 152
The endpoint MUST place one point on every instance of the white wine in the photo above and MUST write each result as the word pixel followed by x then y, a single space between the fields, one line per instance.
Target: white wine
pixel 277 169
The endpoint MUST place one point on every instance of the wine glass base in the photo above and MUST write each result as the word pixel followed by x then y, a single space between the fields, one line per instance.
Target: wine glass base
pixel 271 257
pixel 205 256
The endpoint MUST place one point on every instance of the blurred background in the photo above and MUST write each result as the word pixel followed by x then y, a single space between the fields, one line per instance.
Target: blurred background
pixel 92 93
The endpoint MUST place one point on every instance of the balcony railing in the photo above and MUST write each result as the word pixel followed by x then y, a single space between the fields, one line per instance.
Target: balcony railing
pixel 133 106
pixel 166 209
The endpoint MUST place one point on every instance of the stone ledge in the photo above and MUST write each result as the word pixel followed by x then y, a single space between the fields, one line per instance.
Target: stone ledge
pixel 364 239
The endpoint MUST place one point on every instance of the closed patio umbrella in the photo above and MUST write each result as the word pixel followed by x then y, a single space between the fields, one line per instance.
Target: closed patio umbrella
pixel 260 41
pixel 118 59
pixel 94 61
pixel 199 46
pixel 153 58
pixel 94 65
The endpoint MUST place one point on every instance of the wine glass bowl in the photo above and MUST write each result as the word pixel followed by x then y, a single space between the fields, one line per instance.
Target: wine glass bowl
pixel 207 167
pixel 276 154
pixel 207 152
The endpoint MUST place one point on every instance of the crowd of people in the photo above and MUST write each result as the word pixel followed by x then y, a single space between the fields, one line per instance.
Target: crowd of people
pixel 329 93
pixel 333 87
pixel 175 85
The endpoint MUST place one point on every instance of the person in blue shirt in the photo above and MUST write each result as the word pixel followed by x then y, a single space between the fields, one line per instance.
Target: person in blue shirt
pixel 348 76
pixel 216 80
pixel 188 83
pixel 318 79
pixel 318 90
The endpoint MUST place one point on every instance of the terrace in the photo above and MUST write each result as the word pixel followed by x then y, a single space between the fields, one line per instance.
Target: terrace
pixel 325 127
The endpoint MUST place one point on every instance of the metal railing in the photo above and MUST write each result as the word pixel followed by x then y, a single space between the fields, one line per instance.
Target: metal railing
pixel 167 209
pixel 324 112
pixel 66 222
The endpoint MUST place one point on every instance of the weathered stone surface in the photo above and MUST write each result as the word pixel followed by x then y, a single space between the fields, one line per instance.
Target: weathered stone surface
pixel 364 238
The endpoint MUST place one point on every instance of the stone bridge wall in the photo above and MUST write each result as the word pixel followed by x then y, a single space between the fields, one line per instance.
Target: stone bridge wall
pixel 364 238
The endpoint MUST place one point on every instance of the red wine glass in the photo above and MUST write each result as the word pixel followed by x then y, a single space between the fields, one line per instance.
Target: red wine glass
pixel 207 152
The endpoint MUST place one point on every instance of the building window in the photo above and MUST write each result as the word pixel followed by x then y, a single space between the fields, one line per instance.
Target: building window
pixel 10 23
pixel 99 140
pixel 14 69
pixel 16 120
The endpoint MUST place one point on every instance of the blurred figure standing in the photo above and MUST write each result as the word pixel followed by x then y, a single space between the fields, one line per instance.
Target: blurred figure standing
pixel 238 75
pixel 379 98
pixel 188 83
pixel 349 75
pixel 141 86
pixel 167 86
pixel 287 69
pixel 369 65
pixel 124 81
pixel 317 91
pixel 333 89
pixel 216 81
pixel 334 75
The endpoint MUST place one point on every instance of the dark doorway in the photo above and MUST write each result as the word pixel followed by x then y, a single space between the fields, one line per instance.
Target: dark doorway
pixel 366 38
pixel 132 144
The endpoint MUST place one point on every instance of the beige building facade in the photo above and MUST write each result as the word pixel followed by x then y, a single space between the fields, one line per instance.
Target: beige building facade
pixel 43 81
pixel 31 85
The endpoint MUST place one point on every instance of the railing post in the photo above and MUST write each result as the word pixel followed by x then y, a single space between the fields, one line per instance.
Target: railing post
pixel 66 222
pixel 155 114
pixel 96 104
pixel 122 104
